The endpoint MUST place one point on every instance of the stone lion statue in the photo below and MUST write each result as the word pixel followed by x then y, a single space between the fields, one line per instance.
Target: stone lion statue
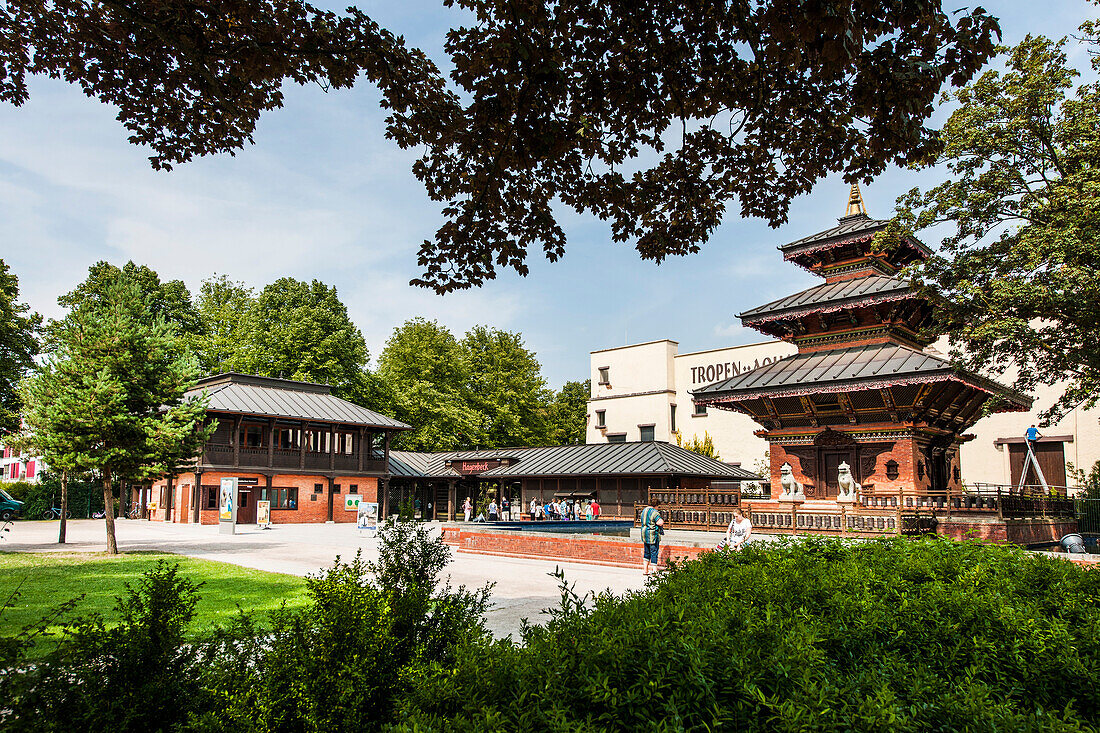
pixel 849 489
pixel 792 490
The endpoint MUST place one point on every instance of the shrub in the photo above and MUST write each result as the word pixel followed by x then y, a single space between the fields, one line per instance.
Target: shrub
pixel 136 676
pixel 811 635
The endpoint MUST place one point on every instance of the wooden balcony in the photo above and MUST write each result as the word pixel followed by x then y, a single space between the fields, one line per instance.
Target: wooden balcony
pixel 221 455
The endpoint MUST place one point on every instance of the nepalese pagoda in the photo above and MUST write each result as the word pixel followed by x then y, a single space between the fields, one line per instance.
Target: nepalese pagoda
pixel 863 389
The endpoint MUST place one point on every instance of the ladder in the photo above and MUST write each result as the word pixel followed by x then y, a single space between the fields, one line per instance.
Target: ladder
pixel 1030 459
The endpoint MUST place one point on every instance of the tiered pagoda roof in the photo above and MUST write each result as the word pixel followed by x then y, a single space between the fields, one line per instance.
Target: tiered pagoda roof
pixel 861 337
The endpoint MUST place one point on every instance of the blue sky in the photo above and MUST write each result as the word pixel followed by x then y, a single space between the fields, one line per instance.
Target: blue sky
pixel 321 194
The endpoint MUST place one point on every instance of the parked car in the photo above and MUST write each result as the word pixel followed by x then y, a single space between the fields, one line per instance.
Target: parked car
pixel 9 507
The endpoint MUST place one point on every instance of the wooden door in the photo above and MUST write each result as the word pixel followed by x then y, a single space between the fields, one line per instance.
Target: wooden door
pixel 246 505
pixel 831 461
pixel 1052 460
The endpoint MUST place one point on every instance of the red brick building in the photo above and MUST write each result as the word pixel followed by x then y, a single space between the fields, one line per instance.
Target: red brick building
pixel 291 443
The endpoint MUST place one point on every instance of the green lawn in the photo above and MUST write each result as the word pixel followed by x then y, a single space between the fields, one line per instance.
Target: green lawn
pixel 50 578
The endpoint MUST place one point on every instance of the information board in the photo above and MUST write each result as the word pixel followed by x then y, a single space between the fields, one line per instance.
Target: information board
pixel 367 518
pixel 227 506
pixel 351 502
pixel 263 513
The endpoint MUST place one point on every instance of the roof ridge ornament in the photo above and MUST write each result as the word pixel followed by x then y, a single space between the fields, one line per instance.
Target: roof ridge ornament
pixel 855 202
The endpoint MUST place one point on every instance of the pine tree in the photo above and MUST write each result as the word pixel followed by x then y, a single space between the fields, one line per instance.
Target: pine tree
pixel 110 399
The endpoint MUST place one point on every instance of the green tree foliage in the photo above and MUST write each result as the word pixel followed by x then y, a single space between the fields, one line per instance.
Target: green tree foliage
pixel 814 635
pixel 426 372
pixel 569 413
pixel 1018 280
pixel 653 116
pixel 505 389
pixel 18 345
pixel 110 397
pixel 223 306
pixel 169 300
pixel 703 446
pixel 299 330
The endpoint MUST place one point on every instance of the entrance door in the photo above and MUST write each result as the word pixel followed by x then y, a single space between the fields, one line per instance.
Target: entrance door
pixel 246 506
pixel 831 461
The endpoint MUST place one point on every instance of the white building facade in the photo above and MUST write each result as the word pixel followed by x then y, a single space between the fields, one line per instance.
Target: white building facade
pixel 15 466
pixel 643 392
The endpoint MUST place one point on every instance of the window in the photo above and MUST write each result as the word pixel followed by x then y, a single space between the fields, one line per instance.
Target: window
pixel 604 378
pixel 317 441
pixel 353 489
pixel 616 437
pixel 210 497
pixel 336 488
pixel 251 436
pixel 646 433
pixel 345 443
pixel 377 446
pixel 601 418
pixel 892 470
pixel 318 488
pixel 280 497
pixel 287 439
pixel 700 410
pixel 672 417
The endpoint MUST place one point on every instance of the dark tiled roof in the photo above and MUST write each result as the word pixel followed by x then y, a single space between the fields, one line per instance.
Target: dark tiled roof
pixel 838 369
pixel 594 459
pixel 838 293
pixel 250 395
pixel 846 227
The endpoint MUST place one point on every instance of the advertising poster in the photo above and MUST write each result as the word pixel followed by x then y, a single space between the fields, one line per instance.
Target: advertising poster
pixel 263 513
pixel 351 503
pixel 227 506
pixel 367 518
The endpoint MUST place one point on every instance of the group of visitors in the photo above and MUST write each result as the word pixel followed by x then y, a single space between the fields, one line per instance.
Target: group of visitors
pixel 497 511
pixel 565 511
pixel 653 526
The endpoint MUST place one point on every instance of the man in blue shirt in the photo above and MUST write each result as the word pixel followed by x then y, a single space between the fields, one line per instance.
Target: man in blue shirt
pixel 1032 434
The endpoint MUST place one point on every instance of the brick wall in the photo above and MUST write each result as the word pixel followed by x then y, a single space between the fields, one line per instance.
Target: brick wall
pixel 312 507
pixel 619 552
pixel 1017 531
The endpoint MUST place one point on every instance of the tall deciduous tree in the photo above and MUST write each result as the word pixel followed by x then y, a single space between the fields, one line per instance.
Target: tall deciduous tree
pixel 426 374
pixel 301 330
pixel 569 413
pixel 223 307
pixel 110 398
pixel 1019 276
pixel 18 345
pixel 505 389
pixel 652 115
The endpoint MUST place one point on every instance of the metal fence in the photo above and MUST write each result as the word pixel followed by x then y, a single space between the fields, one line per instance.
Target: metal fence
pixel 1088 515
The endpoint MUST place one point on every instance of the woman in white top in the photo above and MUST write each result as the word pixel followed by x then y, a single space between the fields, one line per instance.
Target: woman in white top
pixel 739 530
pixel 467 509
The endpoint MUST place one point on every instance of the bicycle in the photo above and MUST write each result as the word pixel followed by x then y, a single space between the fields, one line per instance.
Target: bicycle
pixel 134 513
pixel 55 513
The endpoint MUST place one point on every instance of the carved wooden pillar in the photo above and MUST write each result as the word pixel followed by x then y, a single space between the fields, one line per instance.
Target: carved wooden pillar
pixel 198 496
pixel 271 442
pixel 237 442
pixel 384 487
pixel 302 447
pixel 362 434
pixel 332 448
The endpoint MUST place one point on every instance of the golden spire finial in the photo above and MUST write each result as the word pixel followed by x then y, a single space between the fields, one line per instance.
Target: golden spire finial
pixel 855 202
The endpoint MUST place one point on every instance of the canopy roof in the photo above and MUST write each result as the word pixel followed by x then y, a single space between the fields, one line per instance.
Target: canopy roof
pixel 608 459
pixel 247 394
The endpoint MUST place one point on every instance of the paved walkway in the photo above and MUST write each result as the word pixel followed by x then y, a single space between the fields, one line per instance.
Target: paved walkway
pixel 524 588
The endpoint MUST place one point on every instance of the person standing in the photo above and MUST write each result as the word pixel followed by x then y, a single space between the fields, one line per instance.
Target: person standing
pixel 467 509
pixel 588 512
pixel 652 528
pixel 493 513
pixel 596 508
pixel 739 531
pixel 506 509
pixel 534 508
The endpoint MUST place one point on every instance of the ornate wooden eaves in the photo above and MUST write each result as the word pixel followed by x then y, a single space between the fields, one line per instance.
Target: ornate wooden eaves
pixel 848 409
pixel 808 406
pixel 891 405
pixel 772 412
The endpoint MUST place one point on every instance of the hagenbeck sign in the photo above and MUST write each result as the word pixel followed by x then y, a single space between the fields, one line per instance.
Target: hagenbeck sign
pixel 710 373
pixel 472 467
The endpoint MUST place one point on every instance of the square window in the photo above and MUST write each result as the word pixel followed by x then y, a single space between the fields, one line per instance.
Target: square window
pixel 318 488
pixel 646 433
pixel 604 378
pixel 700 409
pixel 601 418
